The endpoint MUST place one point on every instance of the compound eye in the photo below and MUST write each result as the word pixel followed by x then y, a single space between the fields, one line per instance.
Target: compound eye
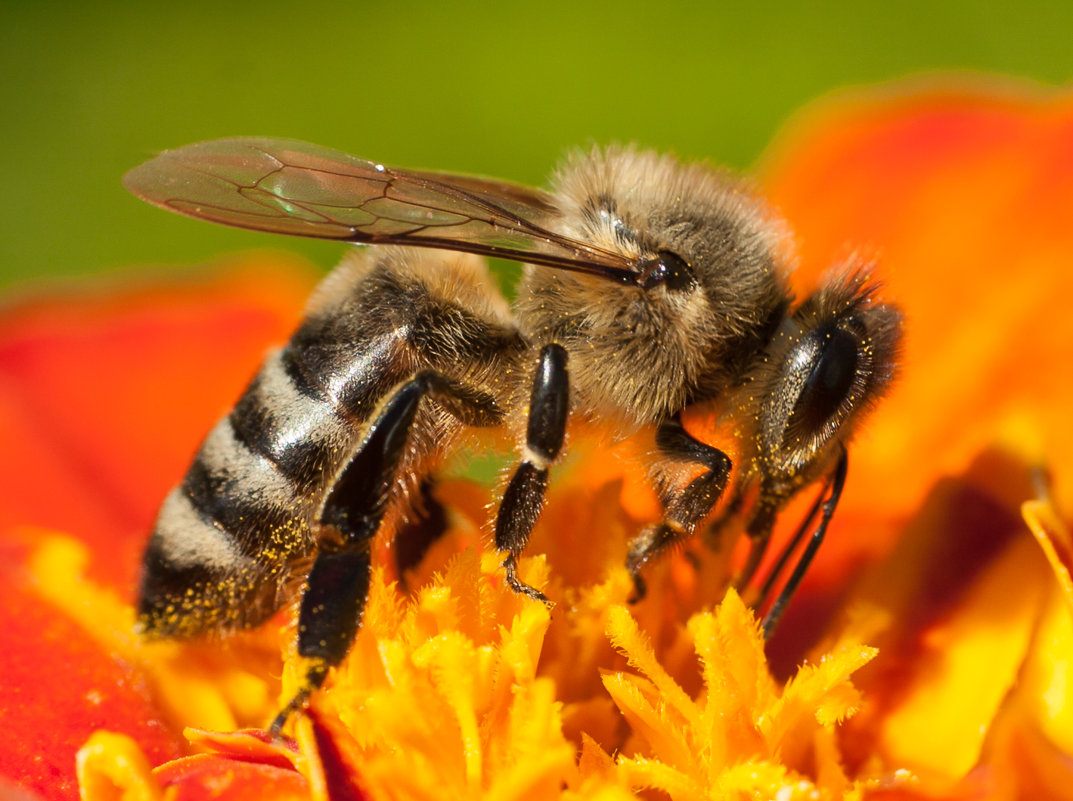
pixel 669 269
pixel 830 354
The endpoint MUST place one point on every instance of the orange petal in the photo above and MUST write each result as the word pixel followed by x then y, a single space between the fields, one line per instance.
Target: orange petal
pixel 954 613
pixel 965 194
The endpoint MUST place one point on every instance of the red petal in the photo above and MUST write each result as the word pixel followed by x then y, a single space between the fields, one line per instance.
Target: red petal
pixel 59 686
pixel 104 396
pixel 248 745
pixel 336 752
pixel 208 777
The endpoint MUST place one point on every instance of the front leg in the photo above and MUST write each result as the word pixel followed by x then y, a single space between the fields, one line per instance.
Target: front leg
pixel 685 508
pixel 524 497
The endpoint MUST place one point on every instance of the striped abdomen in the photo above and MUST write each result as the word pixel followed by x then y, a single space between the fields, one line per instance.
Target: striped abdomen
pixel 227 539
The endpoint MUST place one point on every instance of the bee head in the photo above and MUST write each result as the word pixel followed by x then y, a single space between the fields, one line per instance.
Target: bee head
pixel 693 232
pixel 830 362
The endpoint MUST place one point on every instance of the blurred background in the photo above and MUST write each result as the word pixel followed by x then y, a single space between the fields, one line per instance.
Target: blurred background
pixel 90 90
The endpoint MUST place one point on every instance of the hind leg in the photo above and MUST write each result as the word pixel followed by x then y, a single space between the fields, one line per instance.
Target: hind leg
pixel 337 587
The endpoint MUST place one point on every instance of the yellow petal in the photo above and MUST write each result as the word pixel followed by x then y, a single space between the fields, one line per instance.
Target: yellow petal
pixel 111 767
pixel 974 660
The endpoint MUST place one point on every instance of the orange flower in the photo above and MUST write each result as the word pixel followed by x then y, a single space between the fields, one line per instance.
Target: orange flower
pixel 926 655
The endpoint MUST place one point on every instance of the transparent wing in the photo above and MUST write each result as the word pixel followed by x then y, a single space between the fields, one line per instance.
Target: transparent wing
pixel 289 187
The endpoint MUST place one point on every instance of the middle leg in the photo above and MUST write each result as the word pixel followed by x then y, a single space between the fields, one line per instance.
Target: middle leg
pixel 685 508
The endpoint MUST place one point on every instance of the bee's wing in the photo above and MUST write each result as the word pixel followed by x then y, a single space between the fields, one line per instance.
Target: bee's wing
pixel 291 187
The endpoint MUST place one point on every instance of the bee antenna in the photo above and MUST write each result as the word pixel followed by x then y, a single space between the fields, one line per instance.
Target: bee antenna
pixel 825 506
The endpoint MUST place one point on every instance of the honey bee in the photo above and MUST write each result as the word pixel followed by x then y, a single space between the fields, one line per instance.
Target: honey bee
pixel 648 285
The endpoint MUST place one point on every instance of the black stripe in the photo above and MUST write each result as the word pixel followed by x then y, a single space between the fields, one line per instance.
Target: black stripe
pixel 322 349
pixel 253 422
pixel 254 523
pixel 334 344
pixel 194 599
pixel 303 462
pixel 302 370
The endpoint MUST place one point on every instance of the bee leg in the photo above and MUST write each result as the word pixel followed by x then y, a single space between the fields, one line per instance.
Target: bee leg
pixel 715 533
pixel 414 538
pixel 827 509
pixel 758 530
pixel 338 583
pixel 685 509
pixel 524 497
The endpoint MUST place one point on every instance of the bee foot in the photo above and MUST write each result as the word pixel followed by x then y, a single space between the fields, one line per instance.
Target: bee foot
pixel 520 586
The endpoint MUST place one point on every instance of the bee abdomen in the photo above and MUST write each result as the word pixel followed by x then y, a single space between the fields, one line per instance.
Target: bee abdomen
pixel 195 578
pixel 231 538
pixel 303 435
pixel 225 541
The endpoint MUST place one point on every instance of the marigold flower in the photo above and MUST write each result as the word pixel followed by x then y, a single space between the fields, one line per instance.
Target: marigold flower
pixel 926 655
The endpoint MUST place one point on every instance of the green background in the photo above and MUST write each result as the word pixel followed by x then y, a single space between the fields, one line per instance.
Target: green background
pixel 88 90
